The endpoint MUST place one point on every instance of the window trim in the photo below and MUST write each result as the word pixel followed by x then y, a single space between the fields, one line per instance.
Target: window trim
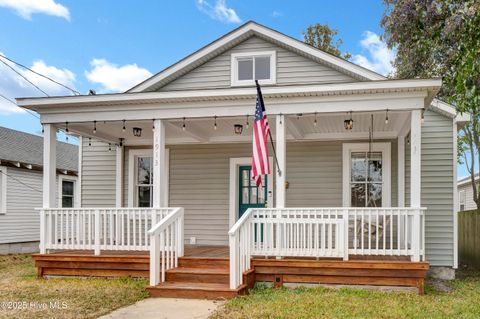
pixel 76 195
pixel 460 200
pixel 132 200
pixel 385 149
pixel 3 191
pixel 234 68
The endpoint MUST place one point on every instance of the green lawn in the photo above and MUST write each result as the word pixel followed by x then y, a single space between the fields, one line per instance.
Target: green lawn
pixel 76 297
pixel 463 301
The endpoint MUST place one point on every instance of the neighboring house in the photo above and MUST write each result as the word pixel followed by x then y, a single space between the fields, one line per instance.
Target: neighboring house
pixel 173 155
pixel 465 193
pixel 21 164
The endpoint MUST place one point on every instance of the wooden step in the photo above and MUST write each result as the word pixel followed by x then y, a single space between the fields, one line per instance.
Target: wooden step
pixel 195 290
pixel 199 262
pixel 198 275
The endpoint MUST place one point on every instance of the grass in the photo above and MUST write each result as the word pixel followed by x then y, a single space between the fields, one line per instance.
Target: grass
pixel 74 297
pixel 462 301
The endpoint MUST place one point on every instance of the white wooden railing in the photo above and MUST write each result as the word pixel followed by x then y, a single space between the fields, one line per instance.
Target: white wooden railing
pixel 166 244
pixel 324 232
pixel 98 228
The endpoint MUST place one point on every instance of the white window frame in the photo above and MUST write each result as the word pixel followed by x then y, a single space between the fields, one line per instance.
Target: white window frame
pixel 76 194
pixel 3 190
pixel 234 68
pixel 132 174
pixel 385 149
pixel 460 193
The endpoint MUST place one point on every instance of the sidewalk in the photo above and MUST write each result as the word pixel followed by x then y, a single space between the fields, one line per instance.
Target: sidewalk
pixel 166 308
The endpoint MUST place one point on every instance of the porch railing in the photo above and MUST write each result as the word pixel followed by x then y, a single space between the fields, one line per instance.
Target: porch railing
pixel 324 232
pixel 166 244
pixel 98 228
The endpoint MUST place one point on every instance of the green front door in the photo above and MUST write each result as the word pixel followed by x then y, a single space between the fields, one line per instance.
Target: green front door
pixel 250 196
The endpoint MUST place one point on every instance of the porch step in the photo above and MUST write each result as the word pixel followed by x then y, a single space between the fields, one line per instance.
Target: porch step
pixel 191 290
pixel 198 275
pixel 205 263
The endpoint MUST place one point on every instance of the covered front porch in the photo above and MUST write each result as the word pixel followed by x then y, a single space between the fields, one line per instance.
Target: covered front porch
pixel 165 171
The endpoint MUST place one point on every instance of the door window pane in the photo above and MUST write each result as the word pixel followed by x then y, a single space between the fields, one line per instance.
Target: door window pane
pixel 358 195
pixel 245 69
pixel 366 182
pixel 144 193
pixel 253 195
pixel 374 195
pixel 245 195
pixel 262 68
pixel 358 167
pixel 375 167
pixel 144 170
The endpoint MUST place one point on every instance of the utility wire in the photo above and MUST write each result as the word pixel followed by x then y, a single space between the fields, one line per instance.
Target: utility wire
pixel 24 77
pixel 39 74
pixel 13 102
pixel 9 176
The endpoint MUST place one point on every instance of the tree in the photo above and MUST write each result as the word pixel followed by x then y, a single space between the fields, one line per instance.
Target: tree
pixel 321 36
pixel 435 38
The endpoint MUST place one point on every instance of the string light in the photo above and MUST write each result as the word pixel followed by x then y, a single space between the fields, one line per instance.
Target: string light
pixel 89 141
pixel 94 127
pixel 247 124
pixel 66 131
pixel 315 121
pixel 153 125
pixel 109 147
pixel 123 128
pixel 121 142
pixel 43 129
pixel 183 125
pixel 215 123
pixel 281 121
pixel 386 117
pixel 423 116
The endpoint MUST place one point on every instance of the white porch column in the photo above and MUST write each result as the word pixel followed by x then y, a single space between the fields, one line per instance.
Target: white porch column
pixel 415 178
pixel 159 173
pixel 119 176
pixel 49 179
pixel 401 171
pixel 281 157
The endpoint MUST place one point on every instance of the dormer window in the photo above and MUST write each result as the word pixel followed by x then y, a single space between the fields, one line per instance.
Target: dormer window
pixel 247 67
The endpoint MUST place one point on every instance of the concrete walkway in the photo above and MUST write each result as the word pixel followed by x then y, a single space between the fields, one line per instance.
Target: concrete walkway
pixel 166 308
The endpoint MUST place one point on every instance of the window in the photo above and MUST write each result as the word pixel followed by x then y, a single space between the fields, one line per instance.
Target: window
pixel 68 195
pixel 461 198
pixel 3 190
pixel 144 181
pixel 247 67
pixel 366 180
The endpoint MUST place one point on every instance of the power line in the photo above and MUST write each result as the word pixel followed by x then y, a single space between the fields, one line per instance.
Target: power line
pixel 24 77
pixel 39 74
pixel 9 176
pixel 13 102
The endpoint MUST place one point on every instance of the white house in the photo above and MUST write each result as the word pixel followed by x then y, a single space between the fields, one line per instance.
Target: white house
pixel 465 193
pixel 21 164
pixel 366 172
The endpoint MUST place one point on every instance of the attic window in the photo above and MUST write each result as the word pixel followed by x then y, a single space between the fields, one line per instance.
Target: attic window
pixel 247 67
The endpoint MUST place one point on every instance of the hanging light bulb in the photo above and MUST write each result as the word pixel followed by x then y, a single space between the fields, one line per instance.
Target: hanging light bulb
pixel 43 130
pixel 215 123
pixel 281 121
pixel 153 125
pixel 315 121
pixel 423 116
pixel 121 142
pixel 183 125
pixel 89 141
pixel 247 124
pixel 386 117
pixel 66 131
pixel 94 127
pixel 123 128
pixel 109 147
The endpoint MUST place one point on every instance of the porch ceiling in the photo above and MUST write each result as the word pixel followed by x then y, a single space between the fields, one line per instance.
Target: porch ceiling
pixel 201 130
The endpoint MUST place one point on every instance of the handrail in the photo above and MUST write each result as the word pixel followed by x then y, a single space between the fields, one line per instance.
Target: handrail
pixel 162 224
pixel 240 221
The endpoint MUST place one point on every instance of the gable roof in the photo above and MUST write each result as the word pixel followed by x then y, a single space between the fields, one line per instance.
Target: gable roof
pixel 21 147
pixel 239 35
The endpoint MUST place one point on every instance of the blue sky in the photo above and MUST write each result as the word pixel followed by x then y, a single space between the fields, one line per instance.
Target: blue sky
pixel 111 45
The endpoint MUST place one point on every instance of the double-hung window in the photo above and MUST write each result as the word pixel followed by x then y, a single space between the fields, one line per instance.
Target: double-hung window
pixel 248 67
pixel 144 181
pixel 67 196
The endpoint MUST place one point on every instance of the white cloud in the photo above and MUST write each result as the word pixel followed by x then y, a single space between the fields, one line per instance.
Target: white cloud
pixel 114 78
pixel 12 85
pixel 25 8
pixel 379 58
pixel 219 11
pixel 277 14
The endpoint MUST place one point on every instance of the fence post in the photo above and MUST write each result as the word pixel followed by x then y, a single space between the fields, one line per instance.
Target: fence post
pixel 345 234
pixel 233 261
pixel 181 242
pixel 97 232
pixel 416 229
pixel 43 232
pixel 154 260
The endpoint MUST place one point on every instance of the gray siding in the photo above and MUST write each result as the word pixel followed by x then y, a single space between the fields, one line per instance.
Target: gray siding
pixel 292 68
pixel 98 175
pixel 437 187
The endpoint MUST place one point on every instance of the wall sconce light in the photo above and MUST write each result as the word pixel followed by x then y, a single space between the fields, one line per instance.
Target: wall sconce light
pixel 137 132
pixel 238 129
pixel 348 124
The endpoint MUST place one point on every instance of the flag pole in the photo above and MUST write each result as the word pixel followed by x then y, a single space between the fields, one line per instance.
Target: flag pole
pixel 259 92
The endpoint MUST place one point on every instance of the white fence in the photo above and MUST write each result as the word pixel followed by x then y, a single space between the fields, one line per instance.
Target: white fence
pixel 98 228
pixel 166 245
pixel 324 232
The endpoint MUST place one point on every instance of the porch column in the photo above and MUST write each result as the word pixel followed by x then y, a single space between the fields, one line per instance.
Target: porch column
pixel 401 171
pixel 415 178
pixel 159 173
pixel 281 157
pixel 49 176
pixel 119 176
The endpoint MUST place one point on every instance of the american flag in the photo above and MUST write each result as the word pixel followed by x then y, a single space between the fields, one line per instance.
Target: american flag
pixel 260 163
